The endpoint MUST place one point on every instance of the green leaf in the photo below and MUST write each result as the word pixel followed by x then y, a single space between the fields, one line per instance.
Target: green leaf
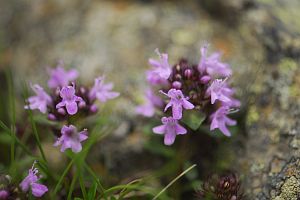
pixel 193 119
pixel 92 191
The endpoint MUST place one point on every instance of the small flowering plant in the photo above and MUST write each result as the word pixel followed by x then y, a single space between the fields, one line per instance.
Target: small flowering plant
pixel 188 95
pixel 65 99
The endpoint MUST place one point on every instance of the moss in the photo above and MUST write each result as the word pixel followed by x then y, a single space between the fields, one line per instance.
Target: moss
pixel 252 116
pixel 290 189
pixel 287 65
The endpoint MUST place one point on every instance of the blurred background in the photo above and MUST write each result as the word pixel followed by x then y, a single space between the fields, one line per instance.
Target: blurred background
pixel 258 38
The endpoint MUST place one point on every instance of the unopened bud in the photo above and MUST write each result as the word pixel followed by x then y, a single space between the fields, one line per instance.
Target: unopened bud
pixel 188 73
pixel 61 111
pixel 51 117
pixel 94 108
pixel 205 79
pixel 176 85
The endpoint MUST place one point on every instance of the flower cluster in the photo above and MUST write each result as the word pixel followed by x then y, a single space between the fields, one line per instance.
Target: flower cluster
pixel 65 99
pixel 31 183
pixel 221 187
pixel 203 87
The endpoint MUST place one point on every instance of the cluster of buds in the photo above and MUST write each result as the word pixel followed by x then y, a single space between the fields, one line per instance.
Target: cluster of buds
pixel 224 187
pixel 7 190
pixel 203 87
pixel 65 99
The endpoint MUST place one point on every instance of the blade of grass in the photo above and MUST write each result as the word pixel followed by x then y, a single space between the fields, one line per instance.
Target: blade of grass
pixel 72 186
pixel 12 108
pixel 174 180
pixel 82 186
pixel 62 177
pixel 9 132
pixel 94 177
pixel 92 191
pixel 124 191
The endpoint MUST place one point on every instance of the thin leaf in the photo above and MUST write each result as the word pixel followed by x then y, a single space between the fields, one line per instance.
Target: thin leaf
pixel 62 176
pixel 174 180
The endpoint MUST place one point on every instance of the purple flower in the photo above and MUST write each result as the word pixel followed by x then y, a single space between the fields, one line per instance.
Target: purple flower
pixel 148 108
pixel 161 67
pixel 59 77
pixel 170 129
pixel 177 101
pixel 212 64
pixel 40 101
pixel 70 138
pixel 154 79
pixel 69 99
pixel 219 120
pixel 218 90
pixel 102 91
pixel 30 182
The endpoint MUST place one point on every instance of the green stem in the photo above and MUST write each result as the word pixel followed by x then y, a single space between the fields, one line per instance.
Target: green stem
pixel 72 186
pixel 62 177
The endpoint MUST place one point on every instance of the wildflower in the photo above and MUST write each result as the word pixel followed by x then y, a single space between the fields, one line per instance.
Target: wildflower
pixel 70 138
pixel 40 101
pixel 170 129
pixel 219 120
pixel 177 101
pixel 219 91
pixel 148 108
pixel 59 77
pixel 69 99
pixel 102 91
pixel 212 64
pixel 30 182
pixel 161 67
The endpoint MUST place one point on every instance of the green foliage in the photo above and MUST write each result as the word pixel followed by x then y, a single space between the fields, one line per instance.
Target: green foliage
pixel 193 119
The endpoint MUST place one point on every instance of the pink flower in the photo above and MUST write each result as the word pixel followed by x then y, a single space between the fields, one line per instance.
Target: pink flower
pixel 154 79
pixel 30 182
pixel 170 129
pixel 152 101
pixel 102 91
pixel 161 67
pixel 218 90
pixel 40 101
pixel 69 99
pixel 177 101
pixel 219 120
pixel 70 138
pixel 212 64
pixel 59 77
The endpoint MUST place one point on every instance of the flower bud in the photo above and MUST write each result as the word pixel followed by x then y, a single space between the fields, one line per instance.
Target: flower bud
pixel 188 73
pixel 178 77
pixel 51 117
pixel 176 85
pixel 94 108
pixel 4 194
pixel 61 111
pixel 81 104
pixel 205 79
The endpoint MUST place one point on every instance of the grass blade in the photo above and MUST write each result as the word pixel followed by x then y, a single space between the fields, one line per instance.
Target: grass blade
pixel 62 177
pixel 174 180
pixel 72 186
